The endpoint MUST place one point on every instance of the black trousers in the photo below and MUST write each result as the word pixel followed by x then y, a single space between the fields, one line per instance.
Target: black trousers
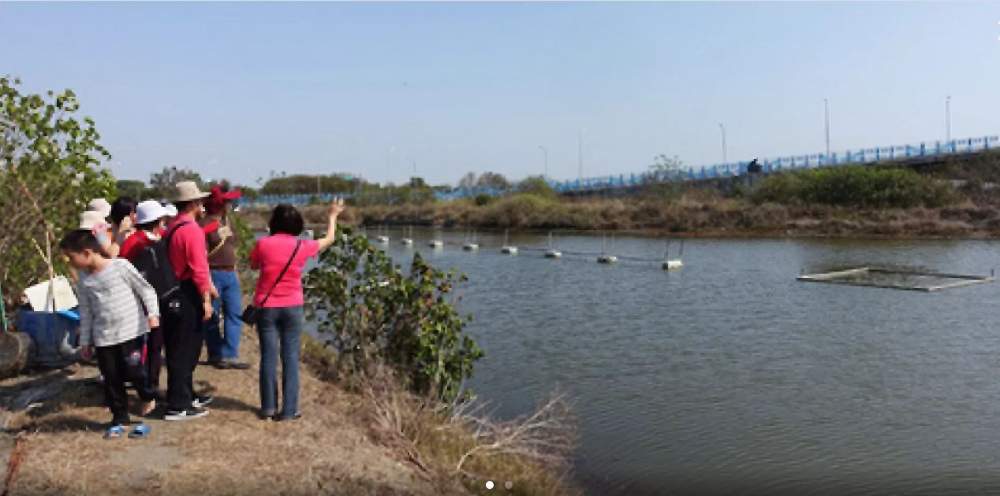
pixel 119 363
pixel 154 358
pixel 183 336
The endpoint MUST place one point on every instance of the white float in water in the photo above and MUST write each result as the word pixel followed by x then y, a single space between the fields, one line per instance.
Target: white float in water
pixel 604 258
pixel 382 239
pixel 470 242
pixel 436 243
pixel 673 264
pixel 408 237
pixel 507 249
pixel 406 241
pixel 552 252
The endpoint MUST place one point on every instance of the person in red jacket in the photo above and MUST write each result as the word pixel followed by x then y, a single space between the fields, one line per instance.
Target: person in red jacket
pixel 149 219
pixel 184 328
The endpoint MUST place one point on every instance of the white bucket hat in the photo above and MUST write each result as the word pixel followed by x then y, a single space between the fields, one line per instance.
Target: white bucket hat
pixel 170 210
pixel 101 206
pixel 149 211
pixel 90 220
pixel 188 191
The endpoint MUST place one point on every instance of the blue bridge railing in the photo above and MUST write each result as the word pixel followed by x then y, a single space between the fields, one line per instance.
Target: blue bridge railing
pixel 705 172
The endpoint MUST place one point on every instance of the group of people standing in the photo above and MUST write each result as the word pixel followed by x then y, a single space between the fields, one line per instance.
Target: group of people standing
pixel 133 306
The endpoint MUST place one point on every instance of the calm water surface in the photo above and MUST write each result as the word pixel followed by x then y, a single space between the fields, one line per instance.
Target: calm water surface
pixel 731 377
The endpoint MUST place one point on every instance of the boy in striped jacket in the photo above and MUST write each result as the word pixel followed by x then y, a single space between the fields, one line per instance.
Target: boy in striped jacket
pixel 117 309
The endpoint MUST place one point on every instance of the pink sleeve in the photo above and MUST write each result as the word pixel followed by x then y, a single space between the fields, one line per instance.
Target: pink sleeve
pixel 310 247
pixel 197 256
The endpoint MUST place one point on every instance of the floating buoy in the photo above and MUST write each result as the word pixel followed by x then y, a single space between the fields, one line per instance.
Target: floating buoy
pixel 673 265
pixel 470 246
pixel 553 254
pixel 604 258
pixel 436 243
pixel 507 249
pixel 406 241
pixel 382 239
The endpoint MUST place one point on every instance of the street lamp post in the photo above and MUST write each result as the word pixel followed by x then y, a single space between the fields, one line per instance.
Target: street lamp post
pixel 947 118
pixel 545 153
pixel 826 118
pixel 723 129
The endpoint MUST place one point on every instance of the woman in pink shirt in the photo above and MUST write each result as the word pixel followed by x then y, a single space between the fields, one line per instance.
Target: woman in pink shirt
pixel 280 258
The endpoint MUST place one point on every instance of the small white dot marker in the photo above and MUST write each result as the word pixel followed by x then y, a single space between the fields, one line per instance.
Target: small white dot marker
pixel 489 485
pixel 508 485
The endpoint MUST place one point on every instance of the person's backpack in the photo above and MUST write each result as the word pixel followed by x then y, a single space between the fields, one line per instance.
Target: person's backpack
pixel 153 263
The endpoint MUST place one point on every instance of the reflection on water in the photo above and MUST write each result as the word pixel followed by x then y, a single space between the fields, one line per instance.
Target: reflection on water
pixel 731 376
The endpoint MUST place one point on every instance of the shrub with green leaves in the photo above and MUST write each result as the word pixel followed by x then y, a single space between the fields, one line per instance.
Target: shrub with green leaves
pixel 856 186
pixel 373 314
pixel 49 170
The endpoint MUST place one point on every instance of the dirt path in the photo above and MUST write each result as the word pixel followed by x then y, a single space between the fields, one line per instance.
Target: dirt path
pixel 229 452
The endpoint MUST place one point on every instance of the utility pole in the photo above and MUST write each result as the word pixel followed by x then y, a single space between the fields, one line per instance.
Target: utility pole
pixel 545 153
pixel 947 118
pixel 826 113
pixel 723 128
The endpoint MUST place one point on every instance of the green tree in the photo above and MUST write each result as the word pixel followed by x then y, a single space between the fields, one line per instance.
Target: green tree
pixel 373 314
pixel 536 185
pixel 666 167
pixel 163 183
pixel 128 187
pixel 50 167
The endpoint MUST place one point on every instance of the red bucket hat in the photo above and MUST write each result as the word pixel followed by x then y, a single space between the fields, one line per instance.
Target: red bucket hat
pixel 216 201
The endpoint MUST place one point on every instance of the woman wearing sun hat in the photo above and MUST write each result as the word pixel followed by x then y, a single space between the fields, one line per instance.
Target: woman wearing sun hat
pixel 149 220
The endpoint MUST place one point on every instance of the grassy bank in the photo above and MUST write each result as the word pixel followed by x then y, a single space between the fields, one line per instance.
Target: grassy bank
pixel 956 198
pixel 343 445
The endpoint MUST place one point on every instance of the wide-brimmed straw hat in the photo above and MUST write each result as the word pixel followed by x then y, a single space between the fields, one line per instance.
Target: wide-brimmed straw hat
pixel 188 191
pixel 101 206
pixel 91 219
pixel 149 211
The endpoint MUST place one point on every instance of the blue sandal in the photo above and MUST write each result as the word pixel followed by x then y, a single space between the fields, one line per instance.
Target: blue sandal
pixel 140 431
pixel 114 432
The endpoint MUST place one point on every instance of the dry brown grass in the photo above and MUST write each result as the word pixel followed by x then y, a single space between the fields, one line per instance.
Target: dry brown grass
pixel 459 446
pixel 328 451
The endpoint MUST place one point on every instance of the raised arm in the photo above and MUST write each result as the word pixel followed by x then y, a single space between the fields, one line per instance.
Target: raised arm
pixel 336 208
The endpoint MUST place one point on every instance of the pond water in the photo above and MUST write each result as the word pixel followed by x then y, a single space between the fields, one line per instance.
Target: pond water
pixel 730 376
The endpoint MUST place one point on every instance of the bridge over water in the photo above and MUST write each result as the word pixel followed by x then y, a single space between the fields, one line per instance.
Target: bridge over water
pixel 902 154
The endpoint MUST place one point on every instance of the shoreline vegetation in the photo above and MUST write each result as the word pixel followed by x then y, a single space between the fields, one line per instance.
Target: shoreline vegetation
pixel 954 198
pixel 380 440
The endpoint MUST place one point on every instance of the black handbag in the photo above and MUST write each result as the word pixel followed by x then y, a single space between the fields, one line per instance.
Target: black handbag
pixel 251 314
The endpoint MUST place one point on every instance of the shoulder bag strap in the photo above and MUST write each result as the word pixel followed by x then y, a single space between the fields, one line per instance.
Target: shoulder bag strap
pixel 282 274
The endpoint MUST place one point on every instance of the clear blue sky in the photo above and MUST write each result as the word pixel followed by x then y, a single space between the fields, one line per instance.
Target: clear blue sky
pixel 239 89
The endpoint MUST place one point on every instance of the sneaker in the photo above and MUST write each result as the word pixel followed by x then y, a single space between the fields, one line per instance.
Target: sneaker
pixel 219 364
pixel 202 401
pixel 233 365
pixel 191 413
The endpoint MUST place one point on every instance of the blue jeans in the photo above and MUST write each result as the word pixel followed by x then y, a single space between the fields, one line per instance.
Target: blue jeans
pixel 284 325
pixel 225 343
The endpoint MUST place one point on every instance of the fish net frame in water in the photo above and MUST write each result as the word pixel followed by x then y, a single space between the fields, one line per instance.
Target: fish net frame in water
pixel 910 280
